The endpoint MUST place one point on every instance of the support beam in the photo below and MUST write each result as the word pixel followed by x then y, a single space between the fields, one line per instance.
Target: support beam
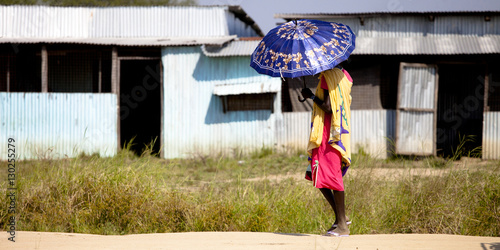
pixel 486 108
pixel 115 89
pixel 45 70
pixel 114 70
pixel 8 74
pixel 162 151
pixel 99 81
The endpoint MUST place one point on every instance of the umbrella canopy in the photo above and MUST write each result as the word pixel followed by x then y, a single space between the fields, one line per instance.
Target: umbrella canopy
pixel 303 47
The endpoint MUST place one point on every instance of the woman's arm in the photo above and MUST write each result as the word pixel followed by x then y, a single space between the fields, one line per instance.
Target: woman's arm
pixel 324 105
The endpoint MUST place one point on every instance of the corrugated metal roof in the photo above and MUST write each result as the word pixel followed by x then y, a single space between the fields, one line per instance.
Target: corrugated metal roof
pixel 415 26
pixel 290 16
pixel 136 41
pixel 442 45
pixel 235 48
pixel 413 33
pixel 430 45
pixel 94 22
pixel 100 25
pixel 242 15
pixel 247 88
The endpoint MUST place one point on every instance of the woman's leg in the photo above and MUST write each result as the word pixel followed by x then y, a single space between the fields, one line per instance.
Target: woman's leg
pixel 339 199
pixel 328 194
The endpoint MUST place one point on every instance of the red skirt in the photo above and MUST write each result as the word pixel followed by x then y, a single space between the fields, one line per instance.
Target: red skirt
pixel 326 164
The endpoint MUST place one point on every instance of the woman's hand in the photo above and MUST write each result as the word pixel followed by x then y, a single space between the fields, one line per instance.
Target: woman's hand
pixel 306 93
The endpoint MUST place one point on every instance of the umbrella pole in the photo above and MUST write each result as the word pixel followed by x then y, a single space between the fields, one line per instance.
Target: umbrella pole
pixel 304 81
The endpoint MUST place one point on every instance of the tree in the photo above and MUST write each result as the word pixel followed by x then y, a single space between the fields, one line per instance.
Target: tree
pixel 101 3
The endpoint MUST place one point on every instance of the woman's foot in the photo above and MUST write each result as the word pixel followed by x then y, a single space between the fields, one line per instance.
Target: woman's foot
pixel 338 232
pixel 335 224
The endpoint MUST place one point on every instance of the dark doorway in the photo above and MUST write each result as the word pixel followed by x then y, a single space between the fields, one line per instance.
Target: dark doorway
pixel 460 109
pixel 140 104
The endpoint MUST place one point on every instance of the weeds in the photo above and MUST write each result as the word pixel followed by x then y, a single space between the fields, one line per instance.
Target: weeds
pixel 462 148
pixel 437 162
pixel 129 194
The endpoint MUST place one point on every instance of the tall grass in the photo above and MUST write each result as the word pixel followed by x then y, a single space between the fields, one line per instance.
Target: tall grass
pixel 128 194
pixel 450 202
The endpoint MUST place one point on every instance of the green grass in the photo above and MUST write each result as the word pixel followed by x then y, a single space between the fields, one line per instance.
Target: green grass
pixel 127 194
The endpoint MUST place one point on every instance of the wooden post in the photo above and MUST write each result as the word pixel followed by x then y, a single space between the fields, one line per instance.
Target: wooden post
pixel 8 74
pixel 162 151
pixel 436 97
pixel 45 68
pixel 115 89
pixel 486 108
pixel 99 81
pixel 114 69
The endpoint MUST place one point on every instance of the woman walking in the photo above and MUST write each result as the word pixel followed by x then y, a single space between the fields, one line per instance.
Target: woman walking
pixel 329 142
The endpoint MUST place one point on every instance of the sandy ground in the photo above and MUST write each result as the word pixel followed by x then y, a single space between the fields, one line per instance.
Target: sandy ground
pixel 245 240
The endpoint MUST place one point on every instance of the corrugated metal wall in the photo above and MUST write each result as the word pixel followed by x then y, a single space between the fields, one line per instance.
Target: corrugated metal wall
pixel 57 125
pixel 417 87
pixel 94 22
pixel 296 129
pixel 416 99
pixel 194 121
pixel 415 133
pixel 491 135
pixel 372 131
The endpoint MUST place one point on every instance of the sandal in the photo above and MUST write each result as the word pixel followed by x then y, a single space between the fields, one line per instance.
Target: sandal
pixel 335 234
pixel 347 223
pixel 335 225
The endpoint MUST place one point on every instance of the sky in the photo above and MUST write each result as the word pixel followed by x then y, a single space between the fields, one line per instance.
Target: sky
pixel 262 11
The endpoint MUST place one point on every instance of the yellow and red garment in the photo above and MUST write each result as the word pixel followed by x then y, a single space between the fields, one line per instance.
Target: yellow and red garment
pixel 334 129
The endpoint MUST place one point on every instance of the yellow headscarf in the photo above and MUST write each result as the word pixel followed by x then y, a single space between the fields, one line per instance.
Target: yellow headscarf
pixel 339 90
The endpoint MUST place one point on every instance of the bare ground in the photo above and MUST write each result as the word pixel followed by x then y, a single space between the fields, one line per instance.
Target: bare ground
pixel 245 240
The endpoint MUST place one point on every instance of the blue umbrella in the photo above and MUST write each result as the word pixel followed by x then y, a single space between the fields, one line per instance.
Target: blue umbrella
pixel 303 47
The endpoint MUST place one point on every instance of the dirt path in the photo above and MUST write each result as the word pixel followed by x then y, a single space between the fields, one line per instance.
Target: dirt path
pixel 384 173
pixel 391 173
pixel 245 240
